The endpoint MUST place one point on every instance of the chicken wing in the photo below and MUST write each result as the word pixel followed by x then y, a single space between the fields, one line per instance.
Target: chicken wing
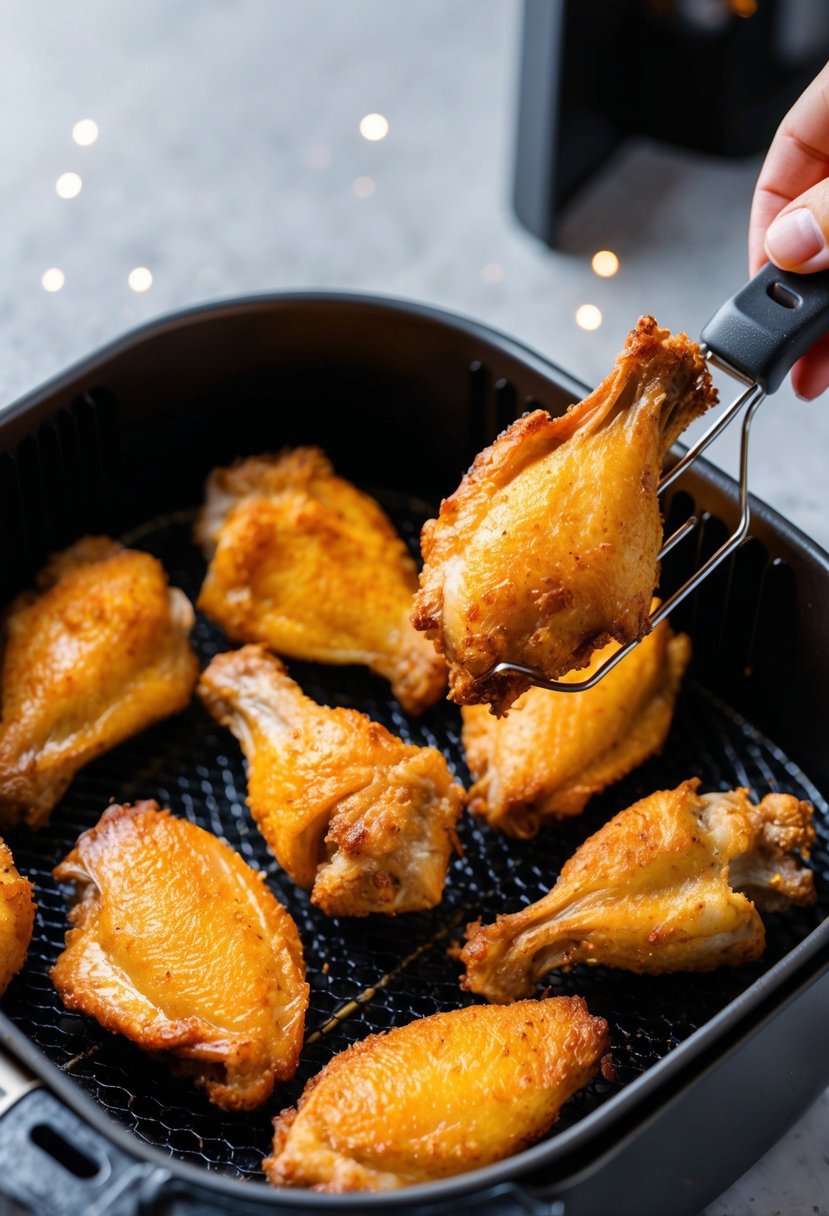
pixel 182 948
pixel 308 564
pixel 555 749
pixel 17 917
pixel 440 1096
pixel 548 548
pixel 666 885
pixel 346 807
pixel 98 654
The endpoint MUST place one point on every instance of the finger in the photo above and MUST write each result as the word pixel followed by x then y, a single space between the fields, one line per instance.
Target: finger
pixel 810 375
pixel 798 238
pixel 796 161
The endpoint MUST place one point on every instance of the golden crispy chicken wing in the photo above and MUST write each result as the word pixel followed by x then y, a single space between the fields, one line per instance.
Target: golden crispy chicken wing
pixel 346 807
pixel 556 749
pixel 97 654
pixel 17 917
pixel 440 1096
pixel 182 948
pixel 548 548
pixel 308 564
pixel 666 885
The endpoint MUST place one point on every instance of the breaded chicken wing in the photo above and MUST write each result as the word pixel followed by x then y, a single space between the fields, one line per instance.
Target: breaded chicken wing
pixel 670 884
pixel 178 945
pixel 548 548
pixel 97 654
pixel 346 807
pixel 308 564
pixel 17 917
pixel 554 750
pixel 440 1096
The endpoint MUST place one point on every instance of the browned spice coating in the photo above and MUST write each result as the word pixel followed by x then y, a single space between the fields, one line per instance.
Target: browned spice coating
pixel 547 550
pixel 306 563
pixel 439 1096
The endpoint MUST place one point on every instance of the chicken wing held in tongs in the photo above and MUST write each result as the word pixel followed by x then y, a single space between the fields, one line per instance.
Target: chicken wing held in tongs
pixel 549 547
pixel 673 883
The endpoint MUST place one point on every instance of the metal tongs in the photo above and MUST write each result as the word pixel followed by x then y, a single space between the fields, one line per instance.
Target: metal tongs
pixel 756 337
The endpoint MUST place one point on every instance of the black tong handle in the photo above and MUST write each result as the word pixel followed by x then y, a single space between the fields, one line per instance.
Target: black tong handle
pixel 764 329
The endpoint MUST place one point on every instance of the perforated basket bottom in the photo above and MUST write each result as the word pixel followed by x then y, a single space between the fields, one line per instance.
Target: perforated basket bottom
pixel 370 974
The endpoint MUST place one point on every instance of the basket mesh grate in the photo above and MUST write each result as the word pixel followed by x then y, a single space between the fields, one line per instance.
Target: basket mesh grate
pixel 367 975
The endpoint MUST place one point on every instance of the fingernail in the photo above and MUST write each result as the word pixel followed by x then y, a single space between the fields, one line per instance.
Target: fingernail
pixel 794 238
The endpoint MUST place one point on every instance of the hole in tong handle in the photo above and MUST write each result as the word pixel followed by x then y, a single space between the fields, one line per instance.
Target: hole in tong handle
pixel 71 1158
pixel 783 295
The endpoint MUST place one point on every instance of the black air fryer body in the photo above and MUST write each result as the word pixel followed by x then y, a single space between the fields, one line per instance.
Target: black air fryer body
pixel 713 76
pixel 711 1069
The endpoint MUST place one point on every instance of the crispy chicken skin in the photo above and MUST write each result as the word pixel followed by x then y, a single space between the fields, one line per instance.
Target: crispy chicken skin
pixel 97 654
pixel 554 750
pixel 17 917
pixel 548 548
pixel 306 563
pixel 666 885
pixel 178 945
pixel 437 1097
pixel 347 808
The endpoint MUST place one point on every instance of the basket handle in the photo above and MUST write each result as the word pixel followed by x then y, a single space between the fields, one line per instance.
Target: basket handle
pixel 52 1163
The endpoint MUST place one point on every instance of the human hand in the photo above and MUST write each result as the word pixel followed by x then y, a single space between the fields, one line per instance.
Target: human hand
pixel 789 222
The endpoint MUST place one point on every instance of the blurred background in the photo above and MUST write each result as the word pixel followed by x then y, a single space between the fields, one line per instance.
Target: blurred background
pixel 158 156
pixel 470 154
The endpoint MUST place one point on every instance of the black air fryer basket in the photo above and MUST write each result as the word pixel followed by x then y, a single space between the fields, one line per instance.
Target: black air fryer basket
pixel 711 1068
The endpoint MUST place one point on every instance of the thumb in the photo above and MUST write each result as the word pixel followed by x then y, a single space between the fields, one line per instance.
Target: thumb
pixel 798 238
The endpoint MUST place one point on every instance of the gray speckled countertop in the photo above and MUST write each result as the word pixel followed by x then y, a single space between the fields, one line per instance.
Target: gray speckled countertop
pixel 226 164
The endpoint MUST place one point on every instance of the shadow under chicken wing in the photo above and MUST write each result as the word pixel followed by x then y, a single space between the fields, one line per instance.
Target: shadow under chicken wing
pixel 349 809
pixel 670 884
pixel 548 548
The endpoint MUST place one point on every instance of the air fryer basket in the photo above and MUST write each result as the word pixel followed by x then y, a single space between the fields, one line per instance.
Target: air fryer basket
pixel 122 444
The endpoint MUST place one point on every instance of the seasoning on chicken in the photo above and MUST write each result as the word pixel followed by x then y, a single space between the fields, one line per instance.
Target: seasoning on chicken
pixel 437 1097
pixel 17 917
pixel 178 945
pixel 548 549
pixel 670 884
pixel 555 750
pixel 100 652
pixel 306 563
pixel 349 809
